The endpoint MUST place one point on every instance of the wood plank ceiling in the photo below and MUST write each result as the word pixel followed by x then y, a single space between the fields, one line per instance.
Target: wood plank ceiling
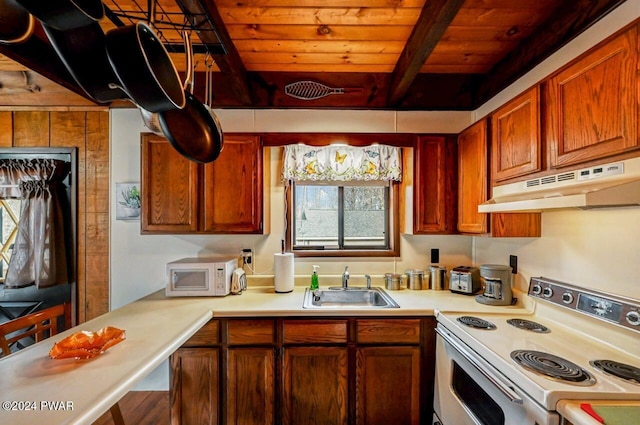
pixel 397 54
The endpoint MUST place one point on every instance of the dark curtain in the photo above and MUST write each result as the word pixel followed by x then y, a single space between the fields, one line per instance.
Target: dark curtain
pixel 41 252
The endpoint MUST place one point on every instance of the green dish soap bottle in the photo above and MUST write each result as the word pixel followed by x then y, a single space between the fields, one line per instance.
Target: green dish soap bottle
pixel 314 278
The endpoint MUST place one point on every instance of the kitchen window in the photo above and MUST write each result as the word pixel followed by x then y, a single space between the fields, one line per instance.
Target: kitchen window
pixel 342 200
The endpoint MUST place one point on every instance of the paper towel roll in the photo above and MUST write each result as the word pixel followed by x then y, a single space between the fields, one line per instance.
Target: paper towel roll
pixel 283 272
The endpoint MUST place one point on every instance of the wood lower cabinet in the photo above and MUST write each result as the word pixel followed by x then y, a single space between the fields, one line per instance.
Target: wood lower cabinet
pixel 181 196
pixel 250 386
pixel 315 386
pixel 333 371
pixel 195 386
pixel 434 185
pixel 388 385
pixel 592 104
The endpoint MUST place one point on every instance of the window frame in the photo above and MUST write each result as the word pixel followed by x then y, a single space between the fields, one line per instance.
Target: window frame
pixel 393 249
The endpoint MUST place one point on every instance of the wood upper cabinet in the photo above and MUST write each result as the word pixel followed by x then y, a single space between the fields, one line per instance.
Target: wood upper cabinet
pixel 472 191
pixel 233 187
pixel 515 137
pixel 472 178
pixel 434 186
pixel 195 386
pixel 592 104
pixel 182 196
pixel 170 187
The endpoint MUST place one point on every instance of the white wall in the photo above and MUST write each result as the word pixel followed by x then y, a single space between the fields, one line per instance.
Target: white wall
pixel 598 249
pixel 138 261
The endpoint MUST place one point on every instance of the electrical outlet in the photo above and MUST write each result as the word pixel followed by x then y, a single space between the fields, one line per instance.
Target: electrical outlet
pixel 247 255
pixel 513 262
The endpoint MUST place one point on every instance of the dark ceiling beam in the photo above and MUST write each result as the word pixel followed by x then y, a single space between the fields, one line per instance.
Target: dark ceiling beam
pixel 434 19
pixel 230 63
pixel 39 56
pixel 569 21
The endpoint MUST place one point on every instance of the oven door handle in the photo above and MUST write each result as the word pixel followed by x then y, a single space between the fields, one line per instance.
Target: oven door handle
pixel 504 389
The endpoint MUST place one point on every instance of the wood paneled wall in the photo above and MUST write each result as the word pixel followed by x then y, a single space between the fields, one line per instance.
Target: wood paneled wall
pixel 89 132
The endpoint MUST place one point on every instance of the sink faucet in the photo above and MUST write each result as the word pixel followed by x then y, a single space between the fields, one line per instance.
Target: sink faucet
pixel 366 276
pixel 345 277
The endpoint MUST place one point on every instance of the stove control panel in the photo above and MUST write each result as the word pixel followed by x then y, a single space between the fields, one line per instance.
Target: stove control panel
pixel 608 307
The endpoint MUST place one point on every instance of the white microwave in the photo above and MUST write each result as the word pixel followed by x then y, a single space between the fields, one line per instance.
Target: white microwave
pixel 197 277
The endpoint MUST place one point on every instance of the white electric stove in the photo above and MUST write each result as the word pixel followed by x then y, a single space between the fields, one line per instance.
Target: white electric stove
pixel 500 368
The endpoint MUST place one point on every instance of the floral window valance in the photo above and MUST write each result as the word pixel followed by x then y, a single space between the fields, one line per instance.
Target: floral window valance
pixel 341 163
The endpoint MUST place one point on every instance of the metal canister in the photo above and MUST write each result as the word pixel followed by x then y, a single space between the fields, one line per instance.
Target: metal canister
pixel 415 279
pixel 393 281
pixel 438 277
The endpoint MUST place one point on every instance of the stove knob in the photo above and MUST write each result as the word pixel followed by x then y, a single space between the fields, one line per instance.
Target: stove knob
pixel 567 298
pixel 633 318
pixel 547 292
pixel 536 289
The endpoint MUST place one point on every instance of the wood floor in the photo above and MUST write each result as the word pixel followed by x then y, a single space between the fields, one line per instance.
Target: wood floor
pixel 141 408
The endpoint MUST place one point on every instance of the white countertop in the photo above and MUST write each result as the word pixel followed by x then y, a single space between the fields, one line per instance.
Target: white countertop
pixel 155 327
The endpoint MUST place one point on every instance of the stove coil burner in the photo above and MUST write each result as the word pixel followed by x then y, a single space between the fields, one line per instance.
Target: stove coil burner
pixel 619 370
pixel 475 322
pixel 528 325
pixel 553 367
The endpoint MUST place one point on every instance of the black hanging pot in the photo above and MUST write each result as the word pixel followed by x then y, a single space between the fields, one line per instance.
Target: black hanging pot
pixel 83 52
pixel 193 131
pixel 144 69
pixel 16 24
pixel 65 14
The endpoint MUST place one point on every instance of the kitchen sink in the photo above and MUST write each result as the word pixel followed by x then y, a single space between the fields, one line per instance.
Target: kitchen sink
pixel 359 298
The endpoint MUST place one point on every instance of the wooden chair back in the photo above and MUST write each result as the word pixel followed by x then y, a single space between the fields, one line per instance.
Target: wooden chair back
pixel 39 325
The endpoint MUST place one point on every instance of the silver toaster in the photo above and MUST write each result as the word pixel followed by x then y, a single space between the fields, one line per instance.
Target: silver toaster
pixel 464 280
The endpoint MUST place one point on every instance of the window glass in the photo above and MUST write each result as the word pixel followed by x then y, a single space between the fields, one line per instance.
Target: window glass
pixel 341 216
pixel 9 218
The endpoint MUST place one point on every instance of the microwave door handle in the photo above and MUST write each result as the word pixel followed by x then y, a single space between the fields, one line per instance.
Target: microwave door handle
pixel 504 389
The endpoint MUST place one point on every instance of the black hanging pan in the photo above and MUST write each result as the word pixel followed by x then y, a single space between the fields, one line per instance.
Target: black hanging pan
pixel 192 131
pixel 16 24
pixel 65 14
pixel 83 52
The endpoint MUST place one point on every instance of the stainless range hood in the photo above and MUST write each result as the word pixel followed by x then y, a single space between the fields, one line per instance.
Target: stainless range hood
pixel 609 185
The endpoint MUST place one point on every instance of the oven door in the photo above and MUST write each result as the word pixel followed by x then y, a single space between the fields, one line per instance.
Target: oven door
pixel 469 391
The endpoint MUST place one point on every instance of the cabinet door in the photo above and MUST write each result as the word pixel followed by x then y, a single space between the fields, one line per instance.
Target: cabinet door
pixel 472 178
pixel 515 137
pixel 169 188
pixel 593 107
pixel 195 384
pixel 233 187
pixel 250 386
pixel 315 386
pixel 434 199
pixel 388 386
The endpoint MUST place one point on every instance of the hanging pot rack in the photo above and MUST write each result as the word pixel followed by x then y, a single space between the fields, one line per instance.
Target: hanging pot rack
pixel 163 22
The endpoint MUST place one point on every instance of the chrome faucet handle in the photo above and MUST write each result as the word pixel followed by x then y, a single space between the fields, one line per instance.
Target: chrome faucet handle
pixel 366 276
pixel 345 277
